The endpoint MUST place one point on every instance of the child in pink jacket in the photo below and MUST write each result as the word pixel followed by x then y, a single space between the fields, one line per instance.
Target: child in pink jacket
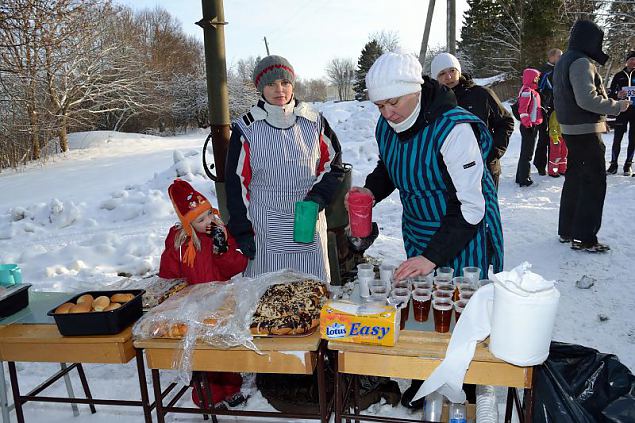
pixel 530 117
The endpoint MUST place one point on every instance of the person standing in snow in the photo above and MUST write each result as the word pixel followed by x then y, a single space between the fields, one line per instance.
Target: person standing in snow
pixel 199 250
pixel 434 153
pixel 622 79
pixel 582 104
pixel 530 119
pixel 481 101
pixel 280 152
pixel 545 88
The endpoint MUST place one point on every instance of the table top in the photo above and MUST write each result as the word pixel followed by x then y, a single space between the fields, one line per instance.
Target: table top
pixel 39 304
pixel 278 343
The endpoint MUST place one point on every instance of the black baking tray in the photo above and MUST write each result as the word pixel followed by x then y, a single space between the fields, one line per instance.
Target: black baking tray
pixel 14 298
pixel 99 322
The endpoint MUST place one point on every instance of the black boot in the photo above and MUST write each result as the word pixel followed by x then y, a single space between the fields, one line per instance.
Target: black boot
pixel 627 169
pixel 612 168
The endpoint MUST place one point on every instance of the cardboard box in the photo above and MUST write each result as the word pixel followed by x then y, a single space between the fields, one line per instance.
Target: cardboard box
pixel 371 323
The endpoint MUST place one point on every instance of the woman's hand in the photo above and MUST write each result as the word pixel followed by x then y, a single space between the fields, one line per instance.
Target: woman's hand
pixel 414 266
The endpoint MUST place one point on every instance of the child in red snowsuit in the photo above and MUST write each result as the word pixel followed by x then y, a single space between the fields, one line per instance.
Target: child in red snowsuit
pixel 530 117
pixel 199 249
pixel 557 149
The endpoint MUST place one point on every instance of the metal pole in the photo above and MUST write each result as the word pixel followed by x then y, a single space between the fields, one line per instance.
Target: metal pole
pixel 213 24
pixel 266 45
pixel 451 38
pixel 426 33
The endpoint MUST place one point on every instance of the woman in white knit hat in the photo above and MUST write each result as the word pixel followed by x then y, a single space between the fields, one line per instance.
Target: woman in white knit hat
pixel 481 101
pixel 433 152
pixel 280 152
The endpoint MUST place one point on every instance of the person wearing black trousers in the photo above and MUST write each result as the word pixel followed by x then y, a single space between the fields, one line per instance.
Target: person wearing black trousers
pixel 545 88
pixel 581 103
pixel 622 79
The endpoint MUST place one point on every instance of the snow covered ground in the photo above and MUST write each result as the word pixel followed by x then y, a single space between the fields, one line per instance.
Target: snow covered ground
pixel 77 221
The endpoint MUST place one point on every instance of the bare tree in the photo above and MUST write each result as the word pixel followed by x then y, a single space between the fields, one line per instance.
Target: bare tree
pixel 388 40
pixel 341 73
pixel 245 68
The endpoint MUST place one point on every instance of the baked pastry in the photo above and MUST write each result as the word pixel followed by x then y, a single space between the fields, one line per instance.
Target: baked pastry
pixel 64 308
pixel 100 303
pixel 121 297
pixel 160 290
pixel 112 306
pixel 84 307
pixel 86 298
pixel 289 308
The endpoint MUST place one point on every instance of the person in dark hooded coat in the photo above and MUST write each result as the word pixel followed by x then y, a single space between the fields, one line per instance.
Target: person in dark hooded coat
pixel 582 105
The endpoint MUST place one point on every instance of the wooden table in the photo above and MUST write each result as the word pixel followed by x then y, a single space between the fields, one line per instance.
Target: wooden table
pixel 289 355
pixel 43 343
pixel 415 356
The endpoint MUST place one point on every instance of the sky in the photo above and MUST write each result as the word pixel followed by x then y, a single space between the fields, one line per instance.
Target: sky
pixel 309 33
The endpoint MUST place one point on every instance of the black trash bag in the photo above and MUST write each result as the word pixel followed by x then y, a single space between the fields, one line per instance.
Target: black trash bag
pixel 578 385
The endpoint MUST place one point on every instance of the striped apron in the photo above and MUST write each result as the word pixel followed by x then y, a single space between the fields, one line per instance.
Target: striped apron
pixel 283 170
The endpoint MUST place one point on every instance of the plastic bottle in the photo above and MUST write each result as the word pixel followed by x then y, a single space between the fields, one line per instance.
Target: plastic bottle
pixel 457 413
pixel 433 407
pixel 486 407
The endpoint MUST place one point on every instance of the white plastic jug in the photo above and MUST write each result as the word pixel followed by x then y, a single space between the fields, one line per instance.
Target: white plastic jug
pixel 522 323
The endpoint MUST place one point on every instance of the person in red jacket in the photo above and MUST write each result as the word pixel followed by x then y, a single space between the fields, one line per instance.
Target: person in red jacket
pixel 199 250
pixel 530 118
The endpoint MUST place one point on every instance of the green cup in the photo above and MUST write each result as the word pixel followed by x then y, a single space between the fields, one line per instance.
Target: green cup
pixel 304 221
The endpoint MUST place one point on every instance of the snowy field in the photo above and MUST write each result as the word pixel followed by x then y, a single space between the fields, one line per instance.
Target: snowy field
pixel 77 221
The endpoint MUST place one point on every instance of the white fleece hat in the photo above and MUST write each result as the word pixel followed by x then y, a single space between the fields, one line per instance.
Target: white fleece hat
pixel 443 61
pixel 393 75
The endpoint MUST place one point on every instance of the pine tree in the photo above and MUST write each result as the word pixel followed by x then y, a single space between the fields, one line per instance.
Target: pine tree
pixel 371 51
pixel 542 30
pixel 619 35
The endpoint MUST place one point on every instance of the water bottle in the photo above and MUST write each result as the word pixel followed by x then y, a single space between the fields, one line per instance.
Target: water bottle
pixel 433 407
pixel 457 414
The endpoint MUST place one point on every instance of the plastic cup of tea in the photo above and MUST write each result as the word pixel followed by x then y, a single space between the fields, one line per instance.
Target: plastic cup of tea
pixel 466 295
pixel 472 273
pixel 360 213
pixel 484 282
pixel 386 271
pixel 445 272
pixel 378 290
pixel 304 221
pixel 364 289
pixel 422 285
pixel 442 312
pixel 366 273
pixel 458 308
pixel 403 283
pixel 462 284
pixel 365 266
pixel 421 301
pixel 427 278
pixel 401 298
pixel 443 293
pixel 443 284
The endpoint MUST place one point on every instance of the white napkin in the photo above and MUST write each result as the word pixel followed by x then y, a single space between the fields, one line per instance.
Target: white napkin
pixel 473 327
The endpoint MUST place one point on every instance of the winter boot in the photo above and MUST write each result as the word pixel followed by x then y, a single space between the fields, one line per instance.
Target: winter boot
pixel 612 168
pixel 627 169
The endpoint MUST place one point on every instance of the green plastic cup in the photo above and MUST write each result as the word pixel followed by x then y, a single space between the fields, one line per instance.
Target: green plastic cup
pixel 304 221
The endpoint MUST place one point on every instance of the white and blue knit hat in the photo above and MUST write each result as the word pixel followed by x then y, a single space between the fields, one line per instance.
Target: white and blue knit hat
pixel 271 68
pixel 393 75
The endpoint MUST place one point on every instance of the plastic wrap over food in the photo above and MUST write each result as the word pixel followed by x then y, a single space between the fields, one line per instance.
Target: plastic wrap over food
pixel 217 314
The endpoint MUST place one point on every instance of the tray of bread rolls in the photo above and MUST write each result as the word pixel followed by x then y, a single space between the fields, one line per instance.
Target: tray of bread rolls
pixel 98 312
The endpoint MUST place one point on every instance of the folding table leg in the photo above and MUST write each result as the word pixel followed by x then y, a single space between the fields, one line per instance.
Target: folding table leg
pixel 82 378
pixel 4 402
pixel 17 399
pixel 356 382
pixel 158 395
pixel 210 398
pixel 321 380
pixel 509 406
pixel 143 387
pixel 337 391
pixel 69 389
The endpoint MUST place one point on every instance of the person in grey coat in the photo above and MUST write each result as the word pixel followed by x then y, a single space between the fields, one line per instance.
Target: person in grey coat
pixel 581 103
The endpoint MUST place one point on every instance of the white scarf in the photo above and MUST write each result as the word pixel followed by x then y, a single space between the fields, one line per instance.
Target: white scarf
pixel 280 116
pixel 409 121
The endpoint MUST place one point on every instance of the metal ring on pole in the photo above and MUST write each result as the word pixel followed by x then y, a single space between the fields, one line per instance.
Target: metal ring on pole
pixel 206 168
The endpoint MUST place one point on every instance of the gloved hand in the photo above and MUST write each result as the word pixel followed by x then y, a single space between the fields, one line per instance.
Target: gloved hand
pixel 362 244
pixel 526 122
pixel 219 239
pixel 247 246
pixel 316 199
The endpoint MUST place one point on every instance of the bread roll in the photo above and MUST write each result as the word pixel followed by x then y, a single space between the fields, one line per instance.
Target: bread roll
pixel 121 298
pixel 80 308
pixel 86 298
pixel 64 308
pixel 100 303
pixel 112 306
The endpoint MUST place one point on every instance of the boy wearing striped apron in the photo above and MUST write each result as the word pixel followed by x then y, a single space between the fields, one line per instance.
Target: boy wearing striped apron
pixel 433 152
pixel 280 152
